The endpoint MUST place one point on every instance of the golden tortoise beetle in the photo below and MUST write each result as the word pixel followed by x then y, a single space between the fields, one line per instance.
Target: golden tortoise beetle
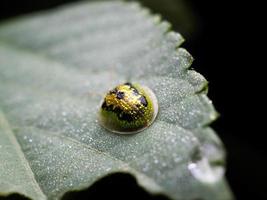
pixel 128 108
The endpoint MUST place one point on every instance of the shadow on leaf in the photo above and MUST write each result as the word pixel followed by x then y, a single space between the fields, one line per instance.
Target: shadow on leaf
pixel 115 186
pixel 14 197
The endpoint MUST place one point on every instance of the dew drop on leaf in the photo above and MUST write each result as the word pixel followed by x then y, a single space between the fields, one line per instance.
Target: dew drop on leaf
pixel 205 165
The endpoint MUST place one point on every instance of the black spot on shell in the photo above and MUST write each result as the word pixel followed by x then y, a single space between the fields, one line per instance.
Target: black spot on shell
pixel 126 117
pixel 120 95
pixel 114 91
pixel 106 107
pixel 135 92
pixel 143 100
pixel 128 83
pixel 117 110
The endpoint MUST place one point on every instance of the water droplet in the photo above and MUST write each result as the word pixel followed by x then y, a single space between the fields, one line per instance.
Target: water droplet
pixel 204 168
pixel 204 172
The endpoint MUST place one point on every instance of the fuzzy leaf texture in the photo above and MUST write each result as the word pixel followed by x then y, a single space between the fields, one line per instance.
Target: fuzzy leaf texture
pixel 55 67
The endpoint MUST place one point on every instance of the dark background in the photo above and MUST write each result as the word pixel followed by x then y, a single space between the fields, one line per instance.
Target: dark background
pixel 225 38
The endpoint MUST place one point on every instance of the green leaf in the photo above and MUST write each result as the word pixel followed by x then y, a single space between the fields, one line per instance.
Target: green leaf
pixel 54 69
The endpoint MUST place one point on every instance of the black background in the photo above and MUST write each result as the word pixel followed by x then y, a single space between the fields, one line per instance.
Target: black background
pixel 226 48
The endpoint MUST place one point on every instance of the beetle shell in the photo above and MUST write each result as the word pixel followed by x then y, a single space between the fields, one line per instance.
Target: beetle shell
pixel 128 108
